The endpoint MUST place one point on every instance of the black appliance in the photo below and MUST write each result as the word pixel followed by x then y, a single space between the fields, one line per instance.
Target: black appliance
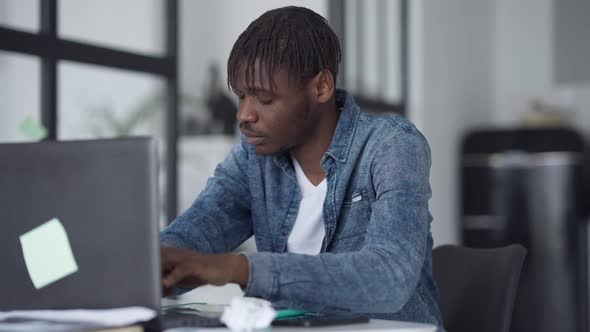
pixel 527 186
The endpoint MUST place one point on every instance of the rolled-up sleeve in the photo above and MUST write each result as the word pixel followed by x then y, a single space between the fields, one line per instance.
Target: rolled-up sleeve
pixel 220 219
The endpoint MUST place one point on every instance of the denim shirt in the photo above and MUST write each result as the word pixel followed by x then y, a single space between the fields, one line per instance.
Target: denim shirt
pixel 376 255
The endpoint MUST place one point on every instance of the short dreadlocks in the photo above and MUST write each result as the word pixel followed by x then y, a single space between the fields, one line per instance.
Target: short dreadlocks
pixel 293 38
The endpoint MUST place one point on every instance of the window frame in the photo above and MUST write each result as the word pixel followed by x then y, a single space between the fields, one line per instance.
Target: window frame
pixel 50 48
pixel 337 18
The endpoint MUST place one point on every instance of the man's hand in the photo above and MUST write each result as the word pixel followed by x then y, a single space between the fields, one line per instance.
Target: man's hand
pixel 190 269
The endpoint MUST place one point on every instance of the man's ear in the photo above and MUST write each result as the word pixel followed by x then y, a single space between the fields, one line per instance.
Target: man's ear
pixel 323 87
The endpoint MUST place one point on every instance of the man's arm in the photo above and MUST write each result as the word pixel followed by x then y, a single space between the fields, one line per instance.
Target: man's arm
pixel 382 276
pixel 219 220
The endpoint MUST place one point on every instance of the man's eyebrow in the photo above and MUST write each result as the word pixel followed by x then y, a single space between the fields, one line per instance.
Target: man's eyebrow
pixel 253 90
pixel 259 89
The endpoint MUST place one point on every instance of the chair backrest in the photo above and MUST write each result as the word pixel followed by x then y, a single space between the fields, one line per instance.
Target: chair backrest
pixel 477 286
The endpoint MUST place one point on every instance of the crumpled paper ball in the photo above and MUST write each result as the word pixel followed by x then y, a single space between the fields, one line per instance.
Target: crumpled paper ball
pixel 245 314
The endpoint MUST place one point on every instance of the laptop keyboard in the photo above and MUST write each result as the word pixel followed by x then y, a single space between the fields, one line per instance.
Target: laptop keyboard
pixel 174 319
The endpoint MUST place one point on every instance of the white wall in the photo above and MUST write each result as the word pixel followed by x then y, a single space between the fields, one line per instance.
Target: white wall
pixel 480 63
pixel 451 90
pixel 378 47
pixel 522 54
pixel 525 65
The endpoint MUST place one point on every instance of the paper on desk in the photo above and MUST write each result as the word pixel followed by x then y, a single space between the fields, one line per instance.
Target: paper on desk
pixel 102 317
pixel 48 254
pixel 248 314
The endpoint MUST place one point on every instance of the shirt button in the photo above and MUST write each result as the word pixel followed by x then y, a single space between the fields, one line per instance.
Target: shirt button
pixel 285 232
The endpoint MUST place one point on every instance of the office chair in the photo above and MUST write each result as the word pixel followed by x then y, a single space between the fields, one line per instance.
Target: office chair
pixel 477 286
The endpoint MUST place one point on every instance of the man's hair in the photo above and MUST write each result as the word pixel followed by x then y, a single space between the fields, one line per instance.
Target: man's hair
pixel 294 39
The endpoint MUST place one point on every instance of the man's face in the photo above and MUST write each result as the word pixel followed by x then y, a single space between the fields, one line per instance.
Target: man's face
pixel 274 120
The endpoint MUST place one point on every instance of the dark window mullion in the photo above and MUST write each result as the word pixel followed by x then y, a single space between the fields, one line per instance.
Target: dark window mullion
pixel 337 16
pixel 46 46
pixel 49 70
pixel 384 70
pixel 51 49
pixel 172 109
pixel 360 47
pixel 404 77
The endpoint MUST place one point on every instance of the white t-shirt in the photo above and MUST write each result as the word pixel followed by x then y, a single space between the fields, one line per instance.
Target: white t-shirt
pixel 308 231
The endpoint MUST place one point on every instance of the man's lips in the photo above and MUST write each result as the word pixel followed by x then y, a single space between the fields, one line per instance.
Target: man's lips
pixel 253 139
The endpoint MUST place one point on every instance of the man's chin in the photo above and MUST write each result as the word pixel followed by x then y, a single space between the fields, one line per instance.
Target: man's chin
pixel 262 150
pixel 267 151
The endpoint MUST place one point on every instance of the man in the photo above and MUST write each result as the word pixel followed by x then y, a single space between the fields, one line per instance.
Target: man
pixel 337 199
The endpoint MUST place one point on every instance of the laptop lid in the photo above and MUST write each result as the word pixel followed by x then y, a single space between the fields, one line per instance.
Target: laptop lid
pixel 101 197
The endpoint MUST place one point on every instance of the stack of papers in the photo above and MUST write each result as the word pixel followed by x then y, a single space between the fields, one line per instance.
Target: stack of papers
pixel 72 320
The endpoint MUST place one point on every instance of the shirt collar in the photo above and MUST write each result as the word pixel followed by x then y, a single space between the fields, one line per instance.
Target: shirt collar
pixel 346 127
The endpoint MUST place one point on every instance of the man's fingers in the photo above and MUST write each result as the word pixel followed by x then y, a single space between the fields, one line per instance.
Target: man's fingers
pixel 168 259
pixel 166 291
pixel 173 277
pixel 178 267
pixel 167 265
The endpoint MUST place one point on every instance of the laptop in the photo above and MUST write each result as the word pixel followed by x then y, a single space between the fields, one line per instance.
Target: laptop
pixel 104 195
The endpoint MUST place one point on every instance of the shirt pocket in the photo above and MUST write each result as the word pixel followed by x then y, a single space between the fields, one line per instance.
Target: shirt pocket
pixel 353 220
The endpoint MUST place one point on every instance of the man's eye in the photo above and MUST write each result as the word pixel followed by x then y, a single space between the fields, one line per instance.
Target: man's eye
pixel 264 100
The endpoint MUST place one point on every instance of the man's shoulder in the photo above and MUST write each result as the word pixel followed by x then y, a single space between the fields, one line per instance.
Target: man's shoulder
pixel 385 126
pixel 391 140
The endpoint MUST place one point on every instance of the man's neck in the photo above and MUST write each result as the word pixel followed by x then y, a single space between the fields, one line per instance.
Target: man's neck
pixel 309 155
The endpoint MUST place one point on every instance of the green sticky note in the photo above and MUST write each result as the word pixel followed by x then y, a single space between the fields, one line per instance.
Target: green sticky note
pixel 32 129
pixel 48 254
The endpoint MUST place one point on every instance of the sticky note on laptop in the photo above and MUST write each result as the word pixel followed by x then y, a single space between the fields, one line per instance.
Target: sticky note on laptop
pixel 48 253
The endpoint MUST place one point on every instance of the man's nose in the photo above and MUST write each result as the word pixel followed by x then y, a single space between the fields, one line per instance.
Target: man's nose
pixel 247 111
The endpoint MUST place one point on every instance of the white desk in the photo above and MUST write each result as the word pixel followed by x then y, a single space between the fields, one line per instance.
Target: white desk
pixel 373 325
pixel 224 294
